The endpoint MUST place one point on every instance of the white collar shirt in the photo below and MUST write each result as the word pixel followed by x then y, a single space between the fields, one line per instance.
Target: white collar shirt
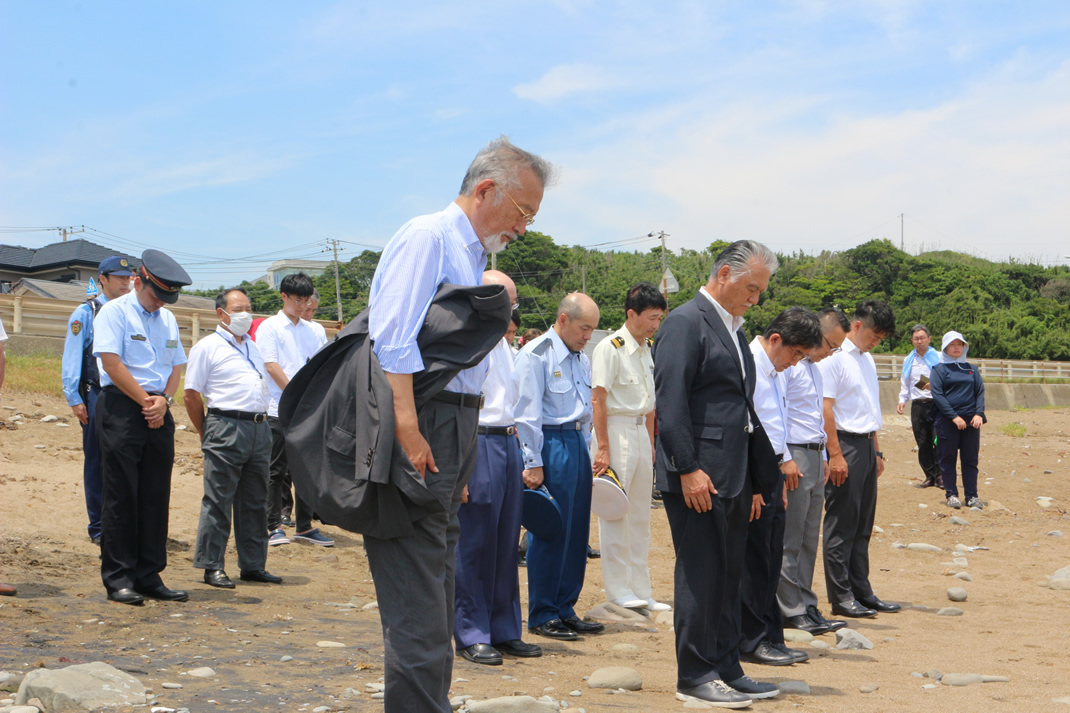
pixel 287 344
pixel 229 375
pixel 626 372
pixel 731 323
pixel 850 377
pixel 918 368
pixel 806 405
pixel 769 401
pixel 499 390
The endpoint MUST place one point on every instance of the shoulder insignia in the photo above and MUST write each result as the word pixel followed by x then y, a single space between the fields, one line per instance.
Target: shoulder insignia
pixel 541 347
pixel 76 328
pixel 617 342
pixel 649 342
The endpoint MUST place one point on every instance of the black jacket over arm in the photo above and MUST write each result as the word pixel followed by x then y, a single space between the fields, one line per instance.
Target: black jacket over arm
pixel 338 412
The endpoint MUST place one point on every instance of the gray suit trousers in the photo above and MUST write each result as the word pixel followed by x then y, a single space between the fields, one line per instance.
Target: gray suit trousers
pixel 414 576
pixel 236 464
pixel 802 530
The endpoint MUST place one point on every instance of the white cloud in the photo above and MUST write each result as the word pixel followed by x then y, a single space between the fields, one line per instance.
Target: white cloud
pixel 564 80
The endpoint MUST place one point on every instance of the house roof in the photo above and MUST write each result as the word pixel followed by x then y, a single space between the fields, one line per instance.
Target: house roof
pixel 80 252
pixel 75 292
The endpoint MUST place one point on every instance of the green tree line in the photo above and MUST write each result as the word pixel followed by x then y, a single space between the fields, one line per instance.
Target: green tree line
pixel 1006 310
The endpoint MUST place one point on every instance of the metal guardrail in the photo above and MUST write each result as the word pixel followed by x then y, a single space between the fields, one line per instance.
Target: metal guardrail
pixel 890 366
pixel 46 317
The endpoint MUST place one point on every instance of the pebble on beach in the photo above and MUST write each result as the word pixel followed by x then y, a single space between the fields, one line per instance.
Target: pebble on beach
pixel 956 594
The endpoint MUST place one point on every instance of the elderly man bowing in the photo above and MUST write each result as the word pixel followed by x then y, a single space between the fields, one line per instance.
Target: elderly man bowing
pixel 553 416
pixel 227 370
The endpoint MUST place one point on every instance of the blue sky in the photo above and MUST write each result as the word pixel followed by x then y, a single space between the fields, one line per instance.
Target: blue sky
pixel 240 129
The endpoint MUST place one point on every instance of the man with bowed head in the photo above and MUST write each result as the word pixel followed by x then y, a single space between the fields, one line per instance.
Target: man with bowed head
pixel 553 419
pixel 704 378
pixel 414 575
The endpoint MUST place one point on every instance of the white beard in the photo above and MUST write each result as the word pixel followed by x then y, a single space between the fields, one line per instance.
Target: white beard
pixel 497 242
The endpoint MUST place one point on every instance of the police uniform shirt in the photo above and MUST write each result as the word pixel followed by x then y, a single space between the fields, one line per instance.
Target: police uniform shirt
pixel 625 369
pixel 806 405
pixel 290 346
pixel 229 375
pixel 148 343
pixel 850 377
pixel 553 387
pixel 769 401
pixel 499 389
pixel 79 335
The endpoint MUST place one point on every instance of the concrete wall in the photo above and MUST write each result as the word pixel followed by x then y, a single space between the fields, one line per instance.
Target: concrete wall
pixel 23 344
pixel 998 397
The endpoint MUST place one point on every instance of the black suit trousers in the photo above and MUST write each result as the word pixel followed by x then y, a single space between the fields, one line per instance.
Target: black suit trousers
pixel 136 464
pixel 709 562
pixel 761 574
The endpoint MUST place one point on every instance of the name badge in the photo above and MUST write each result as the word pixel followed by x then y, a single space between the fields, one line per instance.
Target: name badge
pixel 172 343
pixel 557 374
pixel 138 337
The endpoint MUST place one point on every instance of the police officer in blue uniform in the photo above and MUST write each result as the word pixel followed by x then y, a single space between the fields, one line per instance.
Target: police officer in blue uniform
pixel 81 379
pixel 553 418
pixel 141 358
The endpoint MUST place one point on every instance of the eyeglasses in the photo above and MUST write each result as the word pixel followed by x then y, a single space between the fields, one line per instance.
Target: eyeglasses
pixel 528 218
pixel 832 348
pixel 797 353
pixel 300 303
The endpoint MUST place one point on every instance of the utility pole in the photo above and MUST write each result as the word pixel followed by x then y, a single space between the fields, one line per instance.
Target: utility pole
pixel 337 282
pixel 664 266
pixel 583 271
pixel 901 243
pixel 70 231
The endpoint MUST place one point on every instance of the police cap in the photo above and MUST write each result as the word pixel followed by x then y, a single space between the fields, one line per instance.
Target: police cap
pixel 164 275
pixel 116 265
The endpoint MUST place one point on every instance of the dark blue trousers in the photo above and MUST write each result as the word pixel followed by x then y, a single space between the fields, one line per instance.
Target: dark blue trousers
pixel 92 481
pixel 487 590
pixel 761 573
pixel 953 444
pixel 556 567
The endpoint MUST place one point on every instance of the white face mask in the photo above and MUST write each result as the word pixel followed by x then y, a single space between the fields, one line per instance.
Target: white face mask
pixel 240 322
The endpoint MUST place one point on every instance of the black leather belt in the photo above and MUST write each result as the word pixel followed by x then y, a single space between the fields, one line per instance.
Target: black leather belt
pixel 240 415
pixel 465 400
pixel 842 434
pixel 570 426
pixel 497 430
pixel 810 446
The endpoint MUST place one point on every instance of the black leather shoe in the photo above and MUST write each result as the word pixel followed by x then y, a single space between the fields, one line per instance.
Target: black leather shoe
pixel 482 653
pixel 877 605
pixel 259 575
pixel 796 654
pixel 592 553
pixel 554 629
pixel 805 623
pixel 853 609
pixel 95 540
pixel 126 596
pixel 583 627
pixel 164 594
pixel 516 647
pixel 817 617
pixel 218 578
pixel 767 654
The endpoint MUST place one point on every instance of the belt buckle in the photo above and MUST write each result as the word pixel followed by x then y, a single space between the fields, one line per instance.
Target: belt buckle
pixel 510 430
pixel 259 418
pixel 577 425
pixel 482 399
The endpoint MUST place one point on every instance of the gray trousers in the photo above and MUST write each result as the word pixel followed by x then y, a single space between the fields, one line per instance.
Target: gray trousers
pixel 236 463
pixel 849 513
pixel 414 576
pixel 802 530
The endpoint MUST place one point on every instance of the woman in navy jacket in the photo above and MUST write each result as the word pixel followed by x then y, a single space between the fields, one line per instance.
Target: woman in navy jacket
pixel 959 395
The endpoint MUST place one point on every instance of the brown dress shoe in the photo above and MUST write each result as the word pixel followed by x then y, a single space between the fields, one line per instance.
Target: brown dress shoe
pixel 8 590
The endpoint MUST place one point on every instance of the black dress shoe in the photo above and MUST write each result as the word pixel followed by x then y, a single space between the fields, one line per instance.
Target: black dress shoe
pixel 583 627
pixel 482 653
pixel 259 575
pixel 516 647
pixel 853 609
pixel 805 623
pixel 554 629
pixel 218 578
pixel 126 596
pixel 767 654
pixel 877 605
pixel 817 617
pixel 592 553
pixel 95 540
pixel 796 654
pixel 164 594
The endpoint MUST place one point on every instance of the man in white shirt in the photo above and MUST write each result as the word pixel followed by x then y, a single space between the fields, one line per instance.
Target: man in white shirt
pixel 227 370
pixel 916 369
pixel 791 336
pixel 852 421
pixel 286 343
pixel 487 595
pixel 806 491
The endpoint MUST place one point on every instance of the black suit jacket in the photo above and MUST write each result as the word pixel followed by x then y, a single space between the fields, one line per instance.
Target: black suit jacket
pixel 702 403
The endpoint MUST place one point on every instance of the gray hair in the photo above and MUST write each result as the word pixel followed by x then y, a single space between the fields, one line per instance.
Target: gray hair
pixel 919 327
pixel 502 163
pixel 739 255
pixel 571 306
pixel 315 294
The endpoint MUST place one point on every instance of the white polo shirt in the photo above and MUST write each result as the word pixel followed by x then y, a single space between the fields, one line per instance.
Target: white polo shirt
pixel 289 345
pixel 850 377
pixel 229 375
pixel 499 389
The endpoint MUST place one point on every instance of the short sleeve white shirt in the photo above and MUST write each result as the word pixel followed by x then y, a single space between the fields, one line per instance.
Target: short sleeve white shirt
pixel 229 375
pixel 290 346
pixel 499 389
pixel 624 368
pixel 850 377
